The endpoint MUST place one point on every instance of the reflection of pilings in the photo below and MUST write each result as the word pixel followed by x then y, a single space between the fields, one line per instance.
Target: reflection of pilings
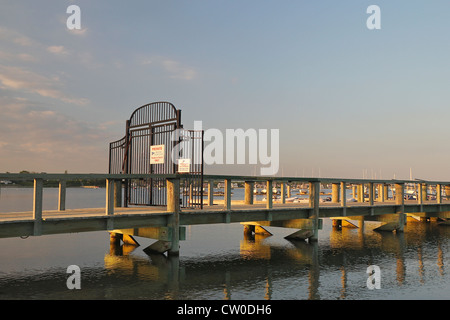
pixel 314 273
pixel 268 288
pixel 396 243
pixel 343 280
pixel 440 259
pixel 342 253
pixel 226 289
pixel 421 266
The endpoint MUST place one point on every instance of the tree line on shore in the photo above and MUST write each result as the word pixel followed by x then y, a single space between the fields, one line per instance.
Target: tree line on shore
pixel 55 183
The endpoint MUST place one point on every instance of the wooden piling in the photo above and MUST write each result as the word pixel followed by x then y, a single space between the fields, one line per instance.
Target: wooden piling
pixel 173 206
pixel 269 194
pixel 62 195
pixel 210 192
pixel 335 192
pixel 248 188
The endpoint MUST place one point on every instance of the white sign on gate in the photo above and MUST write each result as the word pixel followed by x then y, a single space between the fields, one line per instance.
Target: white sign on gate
pixel 184 165
pixel 157 154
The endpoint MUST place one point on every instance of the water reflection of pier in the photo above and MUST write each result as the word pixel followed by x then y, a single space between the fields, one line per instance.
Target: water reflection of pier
pixel 260 265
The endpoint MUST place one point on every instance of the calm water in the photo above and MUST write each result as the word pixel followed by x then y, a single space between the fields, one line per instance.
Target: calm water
pixel 217 262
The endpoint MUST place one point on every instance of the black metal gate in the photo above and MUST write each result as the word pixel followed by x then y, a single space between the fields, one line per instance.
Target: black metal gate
pixel 154 142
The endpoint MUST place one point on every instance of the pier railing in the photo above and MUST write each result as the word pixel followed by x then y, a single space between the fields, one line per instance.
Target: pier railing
pixel 379 199
pixel 369 191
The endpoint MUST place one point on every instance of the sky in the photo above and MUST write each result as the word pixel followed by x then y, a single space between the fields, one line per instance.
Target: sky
pixel 348 101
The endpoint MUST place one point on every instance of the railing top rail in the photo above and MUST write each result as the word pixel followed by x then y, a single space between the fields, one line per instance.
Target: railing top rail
pixel 74 176
pixel 315 179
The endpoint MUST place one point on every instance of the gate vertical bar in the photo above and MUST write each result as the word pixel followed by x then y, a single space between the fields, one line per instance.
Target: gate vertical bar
pixel 125 164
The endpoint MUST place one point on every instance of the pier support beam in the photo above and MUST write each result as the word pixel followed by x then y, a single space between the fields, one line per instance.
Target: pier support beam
pixel 337 223
pixel 392 222
pixel 249 229
pixel 255 228
pixel 395 221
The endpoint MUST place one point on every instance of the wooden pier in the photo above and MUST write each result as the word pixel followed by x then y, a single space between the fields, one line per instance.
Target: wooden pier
pixel 372 200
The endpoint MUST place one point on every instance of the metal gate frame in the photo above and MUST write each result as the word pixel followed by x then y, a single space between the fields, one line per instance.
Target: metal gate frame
pixel 157 123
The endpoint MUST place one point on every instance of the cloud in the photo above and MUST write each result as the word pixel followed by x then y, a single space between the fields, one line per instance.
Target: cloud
pixel 16 37
pixel 177 70
pixel 58 50
pixel 53 140
pixel 78 32
pixel 16 78
pixel 22 57
pixel 174 69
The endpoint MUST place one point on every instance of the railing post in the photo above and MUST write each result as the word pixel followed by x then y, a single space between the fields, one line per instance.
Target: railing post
pixel 380 193
pixel 400 201
pixel 371 193
pixel 344 198
pixel 37 206
pixel 227 195
pixel 385 192
pixel 173 206
pixel 109 210
pixel 438 193
pixel 248 189
pixel 361 192
pixel 210 192
pixel 109 197
pixel 269 203
pixel 420 196
pixel 118 193
pixel 335 192
pixel 424 192
pixel 283 192
pixel 62 195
